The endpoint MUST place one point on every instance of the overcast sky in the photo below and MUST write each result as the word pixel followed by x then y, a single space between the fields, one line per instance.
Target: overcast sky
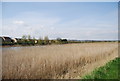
pixel 71 20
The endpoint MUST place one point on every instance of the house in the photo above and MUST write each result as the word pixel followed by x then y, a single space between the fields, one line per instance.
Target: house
pixel 1 40
pixel 15 40
pixel 18 39
pixel 7 39
pixel 36 41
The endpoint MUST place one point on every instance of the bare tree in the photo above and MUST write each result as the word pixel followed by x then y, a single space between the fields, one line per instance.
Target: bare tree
pixel 46 40
pixel 29 37
pixel 24 37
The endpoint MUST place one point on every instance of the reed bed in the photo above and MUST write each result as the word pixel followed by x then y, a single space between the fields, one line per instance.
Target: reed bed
pixel 52 61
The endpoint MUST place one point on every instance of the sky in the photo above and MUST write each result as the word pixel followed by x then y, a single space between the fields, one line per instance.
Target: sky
pixel 0 18
pixel 60 0
pixel 71 20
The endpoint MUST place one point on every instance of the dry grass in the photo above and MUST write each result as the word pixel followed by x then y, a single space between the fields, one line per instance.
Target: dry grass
pixel 53 61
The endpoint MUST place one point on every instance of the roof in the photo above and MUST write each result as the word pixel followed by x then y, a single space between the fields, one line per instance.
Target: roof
pixel 7 37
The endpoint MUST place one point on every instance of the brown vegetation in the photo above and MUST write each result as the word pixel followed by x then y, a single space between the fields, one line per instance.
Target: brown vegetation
pixel 54 61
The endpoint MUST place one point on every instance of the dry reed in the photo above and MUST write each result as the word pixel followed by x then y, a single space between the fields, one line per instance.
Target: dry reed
pixel 53 61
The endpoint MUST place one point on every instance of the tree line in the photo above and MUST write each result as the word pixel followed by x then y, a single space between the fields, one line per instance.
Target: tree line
pixel 28 40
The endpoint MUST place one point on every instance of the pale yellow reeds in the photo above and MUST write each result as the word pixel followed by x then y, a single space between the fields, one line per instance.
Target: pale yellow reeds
pixel 52 61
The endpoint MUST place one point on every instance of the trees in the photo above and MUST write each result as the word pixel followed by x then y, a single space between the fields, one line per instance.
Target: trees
pixel 30 41
pixel 61 41
pixel 23 40
pixel 24 37
pixel 27 40
pixel 29 37
pixel 64 41
pixel 40 41
pixel 46 40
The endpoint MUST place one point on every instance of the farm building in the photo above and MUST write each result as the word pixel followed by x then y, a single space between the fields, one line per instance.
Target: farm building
pixel 15 40
pixel 1 40
pixel 6 39
pixel 36 41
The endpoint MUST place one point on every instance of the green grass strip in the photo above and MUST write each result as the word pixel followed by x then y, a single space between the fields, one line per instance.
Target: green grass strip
pixel 109 71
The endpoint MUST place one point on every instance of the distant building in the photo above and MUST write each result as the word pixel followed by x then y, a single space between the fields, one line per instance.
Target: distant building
pixel 1 40
pixel 17 40
pixel 36 41
pixel 7 39
pixel 14 40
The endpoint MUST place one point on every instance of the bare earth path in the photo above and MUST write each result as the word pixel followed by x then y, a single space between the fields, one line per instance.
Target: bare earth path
pixel 56 61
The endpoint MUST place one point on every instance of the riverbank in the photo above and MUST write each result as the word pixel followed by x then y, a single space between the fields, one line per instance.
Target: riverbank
pixel 50 44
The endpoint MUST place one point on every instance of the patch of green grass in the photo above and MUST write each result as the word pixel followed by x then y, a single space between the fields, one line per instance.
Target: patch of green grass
pixel 109 71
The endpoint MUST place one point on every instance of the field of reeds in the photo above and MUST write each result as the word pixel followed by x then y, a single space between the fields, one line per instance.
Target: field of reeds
pixel 54 61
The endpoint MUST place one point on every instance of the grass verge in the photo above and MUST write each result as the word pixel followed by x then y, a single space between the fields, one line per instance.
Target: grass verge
pixel 109 71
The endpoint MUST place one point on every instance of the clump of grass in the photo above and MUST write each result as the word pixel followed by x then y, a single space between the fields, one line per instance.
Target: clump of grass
pixel 109 71
pixel 53 61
